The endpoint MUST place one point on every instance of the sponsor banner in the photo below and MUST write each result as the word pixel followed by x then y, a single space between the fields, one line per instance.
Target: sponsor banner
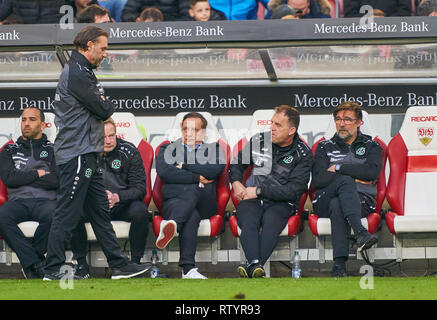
pixel 224 31
pixel 236 100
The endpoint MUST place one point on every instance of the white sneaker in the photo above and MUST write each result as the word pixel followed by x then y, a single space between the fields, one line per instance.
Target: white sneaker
pixel 166 233
pixel 193 274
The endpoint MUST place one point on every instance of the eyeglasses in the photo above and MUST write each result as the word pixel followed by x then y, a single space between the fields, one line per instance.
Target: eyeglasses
pixel 345 120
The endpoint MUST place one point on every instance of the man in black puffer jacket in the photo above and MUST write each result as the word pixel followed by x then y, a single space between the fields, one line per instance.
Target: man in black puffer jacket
pixel 281 171
pixel 29 171
pixel 171 9
pixel 34 11
pixel 345 171
pixel 390 8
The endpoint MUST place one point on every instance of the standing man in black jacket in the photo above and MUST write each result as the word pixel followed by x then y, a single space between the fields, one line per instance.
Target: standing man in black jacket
pixel 346 168
pixel 281 171
pixel 125 182
pixel 80 110
pixel 189 169
pixel 28 169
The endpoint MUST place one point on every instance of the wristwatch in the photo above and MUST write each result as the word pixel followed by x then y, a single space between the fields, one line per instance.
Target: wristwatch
pixel 337 168
pixel 258 191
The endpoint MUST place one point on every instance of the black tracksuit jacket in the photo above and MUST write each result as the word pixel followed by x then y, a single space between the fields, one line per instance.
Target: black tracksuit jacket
pixel 124 172
pixel 290 170
pixel 19 163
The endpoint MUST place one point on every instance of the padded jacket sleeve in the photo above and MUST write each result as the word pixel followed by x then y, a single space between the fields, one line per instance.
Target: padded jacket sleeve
pixel 12 177
pixel 136 180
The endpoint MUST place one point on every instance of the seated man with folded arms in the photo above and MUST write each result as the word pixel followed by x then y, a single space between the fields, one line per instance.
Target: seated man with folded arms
pixel 29 171
pixel 281 171
pixel 346 168
pixel 189 169
pixel 125 182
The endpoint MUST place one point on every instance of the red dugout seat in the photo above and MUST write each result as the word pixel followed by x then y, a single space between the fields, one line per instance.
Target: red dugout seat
pixel 211 227
pixel 412 155
pixel 322 226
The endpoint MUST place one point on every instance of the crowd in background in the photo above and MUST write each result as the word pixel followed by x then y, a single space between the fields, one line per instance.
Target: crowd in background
pixel 48 11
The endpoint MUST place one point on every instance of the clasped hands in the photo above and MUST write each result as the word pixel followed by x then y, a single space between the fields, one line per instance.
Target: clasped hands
pixel 243 193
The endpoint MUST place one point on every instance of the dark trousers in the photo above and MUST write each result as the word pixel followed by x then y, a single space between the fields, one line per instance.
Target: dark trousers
pixel 341 202
pixel 14 212
pixel 134 212
pixel 187 210
pixel 261 223
pixel 82 189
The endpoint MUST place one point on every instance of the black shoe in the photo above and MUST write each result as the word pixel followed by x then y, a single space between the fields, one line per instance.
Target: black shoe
pixel 129 271
pixel 339 270
pixel 365 240
pixel 57 275
pixel 82 270
pixel 252 270
pixel 35 271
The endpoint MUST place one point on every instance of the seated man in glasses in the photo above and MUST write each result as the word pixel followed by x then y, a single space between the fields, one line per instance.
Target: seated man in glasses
pixel 345 171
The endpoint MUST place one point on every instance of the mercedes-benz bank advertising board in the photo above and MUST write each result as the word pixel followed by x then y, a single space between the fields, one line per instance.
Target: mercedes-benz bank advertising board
pixel 160 69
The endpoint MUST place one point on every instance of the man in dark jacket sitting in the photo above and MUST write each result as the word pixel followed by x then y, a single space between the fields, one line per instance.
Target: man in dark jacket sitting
pixel 125 182
pixel 281 171
pixel 189 169
pixel 29 171
pixel 345 171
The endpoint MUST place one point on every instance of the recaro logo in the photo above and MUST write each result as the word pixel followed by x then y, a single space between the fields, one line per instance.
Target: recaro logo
pixel 123 124
pixel 424 119
pixel 49 124
pixel 264 122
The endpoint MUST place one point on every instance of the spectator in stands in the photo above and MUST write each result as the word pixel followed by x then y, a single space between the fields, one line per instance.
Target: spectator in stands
pixel 344 174
pixel 390 8
pixel 189 169
pixel 281 171
pixel 150 15
pixel 200 10
pixel 94 14
pixel 28 169
pixel 427 8
pixel 79 5
pixel 125 181
pixel 305 8
pixel 171 9
pixel 284 11
pixel 115 8
pixel 31 11
pixel 81 108
pixel 238 10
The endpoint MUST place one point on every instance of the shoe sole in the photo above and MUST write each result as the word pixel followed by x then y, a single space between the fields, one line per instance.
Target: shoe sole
pixel 242 272
pixel 258 273
pixel 167 233
pixel 129 275
pixel 368 244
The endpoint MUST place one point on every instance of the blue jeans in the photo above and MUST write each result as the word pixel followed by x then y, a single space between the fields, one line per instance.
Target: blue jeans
pixel 115 8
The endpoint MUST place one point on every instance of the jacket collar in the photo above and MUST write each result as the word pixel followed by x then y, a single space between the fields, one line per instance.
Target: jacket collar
pixel 80 58
pixel 39 141
pixel 360 138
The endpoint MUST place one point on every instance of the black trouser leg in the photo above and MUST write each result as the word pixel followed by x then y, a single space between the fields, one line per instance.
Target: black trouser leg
pixel 81 188
pixel 42 212
pixel 79 243
pixel 14 212
pixel 274 220
pixel 187 211
pixel 249 215
pixel 136 213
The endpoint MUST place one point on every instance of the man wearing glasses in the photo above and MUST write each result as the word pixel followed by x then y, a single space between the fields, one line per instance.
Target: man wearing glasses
pixel 345 171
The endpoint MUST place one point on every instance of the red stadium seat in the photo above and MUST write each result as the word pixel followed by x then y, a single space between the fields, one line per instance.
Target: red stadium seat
pixel 322 226
pixel 213 226
pixel 261 121
pixel 412 155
